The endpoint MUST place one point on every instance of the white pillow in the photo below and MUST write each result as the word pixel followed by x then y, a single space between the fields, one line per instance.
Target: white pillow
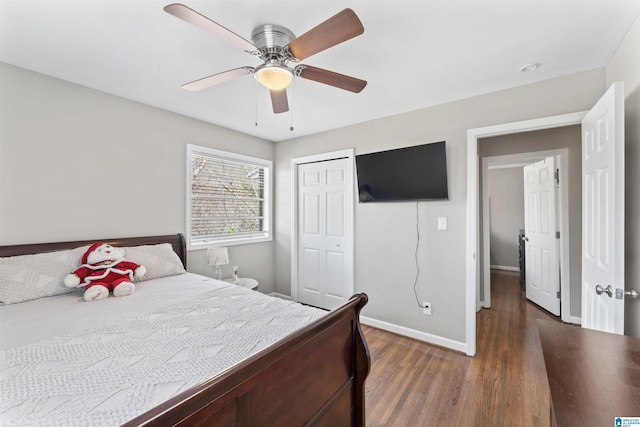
pixel 28 277
pixel 159 260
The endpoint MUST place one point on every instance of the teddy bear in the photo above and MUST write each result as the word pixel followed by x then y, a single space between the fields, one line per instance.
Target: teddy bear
pixel 104 269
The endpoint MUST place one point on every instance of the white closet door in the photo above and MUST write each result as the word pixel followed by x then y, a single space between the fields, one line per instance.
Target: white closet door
pixel 324 270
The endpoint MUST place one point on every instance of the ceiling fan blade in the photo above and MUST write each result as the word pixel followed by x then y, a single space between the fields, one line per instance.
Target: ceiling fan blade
pixel 331 78
pixel 217 78
pixel 279 100
pixel 192 17
pixel 335 30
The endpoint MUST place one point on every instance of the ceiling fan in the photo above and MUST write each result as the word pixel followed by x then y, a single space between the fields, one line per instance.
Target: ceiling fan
pixel 276 47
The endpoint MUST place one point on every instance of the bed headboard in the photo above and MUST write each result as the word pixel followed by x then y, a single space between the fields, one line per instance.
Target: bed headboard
pixel 177 241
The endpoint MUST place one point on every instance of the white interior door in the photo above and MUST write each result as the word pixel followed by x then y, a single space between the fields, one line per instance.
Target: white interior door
pixel 325 271
pixel 542 268
pixel 603 213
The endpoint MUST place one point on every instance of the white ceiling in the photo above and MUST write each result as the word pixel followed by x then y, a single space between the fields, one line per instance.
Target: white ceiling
pixel 413 53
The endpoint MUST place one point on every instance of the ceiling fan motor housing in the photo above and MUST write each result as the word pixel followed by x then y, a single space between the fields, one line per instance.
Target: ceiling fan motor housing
pixel 271 41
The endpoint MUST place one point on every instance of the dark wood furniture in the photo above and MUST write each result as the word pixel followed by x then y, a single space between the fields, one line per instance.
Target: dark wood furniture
pixel 313 377
pixel 522 259
pixel 593 376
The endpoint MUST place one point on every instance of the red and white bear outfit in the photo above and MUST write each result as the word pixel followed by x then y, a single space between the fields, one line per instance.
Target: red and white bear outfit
pixel 104 269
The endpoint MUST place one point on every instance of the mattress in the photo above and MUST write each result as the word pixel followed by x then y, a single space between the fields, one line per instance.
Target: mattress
pixel 67 362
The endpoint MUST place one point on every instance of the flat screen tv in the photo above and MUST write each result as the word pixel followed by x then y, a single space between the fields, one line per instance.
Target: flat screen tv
pixel 409 173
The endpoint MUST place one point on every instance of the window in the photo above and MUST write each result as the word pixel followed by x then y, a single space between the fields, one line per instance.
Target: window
pixel 229 198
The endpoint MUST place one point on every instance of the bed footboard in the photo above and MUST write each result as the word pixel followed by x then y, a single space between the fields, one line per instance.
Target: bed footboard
pixel 314 377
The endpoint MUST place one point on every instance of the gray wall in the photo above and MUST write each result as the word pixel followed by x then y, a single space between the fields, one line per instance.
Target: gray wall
pixel 76 163
pixel 552 139
pixel 625 66
pixel 55 136
pixel 385 234
pixel 506 193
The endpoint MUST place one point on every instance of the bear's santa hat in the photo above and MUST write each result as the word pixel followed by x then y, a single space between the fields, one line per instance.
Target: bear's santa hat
pixel 85 257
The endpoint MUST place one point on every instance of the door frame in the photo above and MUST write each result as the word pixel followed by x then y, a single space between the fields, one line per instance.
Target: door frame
pixel 473 204
pixel 562 223
pixel 349 221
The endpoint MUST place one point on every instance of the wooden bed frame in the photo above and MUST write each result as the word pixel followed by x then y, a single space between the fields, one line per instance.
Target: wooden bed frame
pixel 313 377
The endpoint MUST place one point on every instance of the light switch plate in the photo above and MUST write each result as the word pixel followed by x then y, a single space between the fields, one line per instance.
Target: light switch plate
pixel 442 223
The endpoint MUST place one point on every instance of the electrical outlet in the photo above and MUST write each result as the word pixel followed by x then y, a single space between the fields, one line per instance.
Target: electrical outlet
pixel 426 308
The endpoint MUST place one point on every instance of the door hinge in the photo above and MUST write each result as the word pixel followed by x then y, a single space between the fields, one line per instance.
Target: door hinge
pixel 557 234
pixel 557 176
pixel 558 295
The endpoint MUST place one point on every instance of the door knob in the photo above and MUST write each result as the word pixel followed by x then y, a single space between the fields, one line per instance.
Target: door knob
pixel 608 290
pixel 633 294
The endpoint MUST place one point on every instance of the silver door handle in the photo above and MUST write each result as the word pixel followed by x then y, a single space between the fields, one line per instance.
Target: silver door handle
pixel 608 290
pixel 633 294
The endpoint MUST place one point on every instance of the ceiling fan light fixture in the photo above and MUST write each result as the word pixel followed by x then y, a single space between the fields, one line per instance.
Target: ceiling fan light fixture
pixel 274 76
pixel 276 46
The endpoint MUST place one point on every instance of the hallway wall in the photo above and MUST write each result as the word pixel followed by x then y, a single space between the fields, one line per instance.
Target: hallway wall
pixel 506 195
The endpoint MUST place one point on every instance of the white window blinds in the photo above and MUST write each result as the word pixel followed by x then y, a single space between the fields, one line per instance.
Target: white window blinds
pixel 229 197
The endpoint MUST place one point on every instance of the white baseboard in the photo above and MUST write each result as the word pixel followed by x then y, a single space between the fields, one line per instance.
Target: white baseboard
pixel 415 334
pixel 575 320
pixel 279 295
pixel 505 267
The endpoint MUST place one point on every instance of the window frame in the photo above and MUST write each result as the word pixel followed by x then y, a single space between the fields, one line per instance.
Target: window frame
pixel 266 235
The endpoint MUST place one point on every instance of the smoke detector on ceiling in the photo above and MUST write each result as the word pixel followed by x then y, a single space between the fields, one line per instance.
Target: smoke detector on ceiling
pixel 528 68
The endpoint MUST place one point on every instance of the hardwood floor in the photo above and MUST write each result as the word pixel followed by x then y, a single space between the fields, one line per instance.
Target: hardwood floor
pixel 416 384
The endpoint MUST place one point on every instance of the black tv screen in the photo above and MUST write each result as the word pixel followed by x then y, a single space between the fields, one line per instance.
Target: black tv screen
pixel 410 173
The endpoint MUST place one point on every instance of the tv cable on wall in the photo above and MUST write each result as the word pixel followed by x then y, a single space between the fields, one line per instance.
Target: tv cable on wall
pixel 415 282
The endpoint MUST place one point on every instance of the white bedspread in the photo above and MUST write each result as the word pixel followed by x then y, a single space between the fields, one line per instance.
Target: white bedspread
pixel 68 362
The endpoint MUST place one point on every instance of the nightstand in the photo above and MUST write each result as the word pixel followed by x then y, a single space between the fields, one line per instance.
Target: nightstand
pixel 245 282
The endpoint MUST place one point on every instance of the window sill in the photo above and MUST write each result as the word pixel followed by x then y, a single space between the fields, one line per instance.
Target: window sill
pixel 227 242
